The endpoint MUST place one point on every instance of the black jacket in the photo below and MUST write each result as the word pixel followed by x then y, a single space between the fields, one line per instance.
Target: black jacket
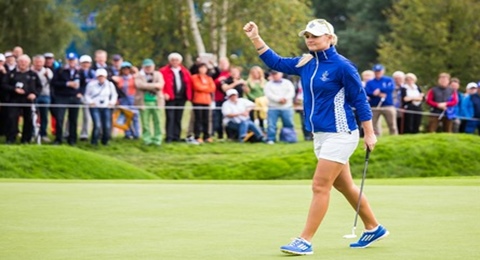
pixel 60 79
pixel 29 82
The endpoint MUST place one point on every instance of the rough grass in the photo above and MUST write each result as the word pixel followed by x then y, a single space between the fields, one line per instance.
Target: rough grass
pixel 423 155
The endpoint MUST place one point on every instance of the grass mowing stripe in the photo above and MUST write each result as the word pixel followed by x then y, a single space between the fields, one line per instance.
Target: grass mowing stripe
pixel 225 220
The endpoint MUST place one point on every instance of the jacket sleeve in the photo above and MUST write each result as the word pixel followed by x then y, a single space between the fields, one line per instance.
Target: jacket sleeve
pixel 453 101
pixel 355 93
pixel 430 101
pixel 142 84
pixel 113 94
pixel 8 84
pixel 282 64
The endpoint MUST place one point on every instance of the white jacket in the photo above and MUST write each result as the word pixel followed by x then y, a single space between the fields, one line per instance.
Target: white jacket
pixel 103 95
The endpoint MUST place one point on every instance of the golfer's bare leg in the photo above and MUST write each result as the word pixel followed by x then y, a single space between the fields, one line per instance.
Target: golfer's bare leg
pixel 345 185
pixel 325 174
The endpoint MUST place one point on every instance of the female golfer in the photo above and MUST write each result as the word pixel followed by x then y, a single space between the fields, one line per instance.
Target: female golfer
pixel 332 86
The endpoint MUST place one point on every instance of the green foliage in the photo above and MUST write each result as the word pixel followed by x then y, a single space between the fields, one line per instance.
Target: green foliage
pixel 49 162
pixel 423 155
pixel 140 29
pixel 358 24
pixel 36 25
pixel 429 37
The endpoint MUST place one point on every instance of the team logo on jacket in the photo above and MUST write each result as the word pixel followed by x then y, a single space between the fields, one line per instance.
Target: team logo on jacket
pixel 325 76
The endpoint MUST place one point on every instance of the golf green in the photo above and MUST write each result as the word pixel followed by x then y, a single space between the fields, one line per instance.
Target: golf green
pixel 437 219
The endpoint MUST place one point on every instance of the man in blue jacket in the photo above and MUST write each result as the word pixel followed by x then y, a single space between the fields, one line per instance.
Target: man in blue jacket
pixel 380 91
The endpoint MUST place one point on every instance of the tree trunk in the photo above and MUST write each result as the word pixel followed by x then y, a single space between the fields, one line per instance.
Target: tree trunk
pixel 197 37
pixel 223 31
pixel 214 26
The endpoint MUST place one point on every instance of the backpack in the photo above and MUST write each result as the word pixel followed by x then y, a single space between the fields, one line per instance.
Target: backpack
pixel 288 135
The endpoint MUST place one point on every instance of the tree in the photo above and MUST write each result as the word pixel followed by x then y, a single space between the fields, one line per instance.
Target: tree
pixel 429 37
pixel 140 29
pixel 358 24
pixel 36 25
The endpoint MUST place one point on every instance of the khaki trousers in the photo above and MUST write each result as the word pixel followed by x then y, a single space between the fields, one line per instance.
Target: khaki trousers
pixel 390 115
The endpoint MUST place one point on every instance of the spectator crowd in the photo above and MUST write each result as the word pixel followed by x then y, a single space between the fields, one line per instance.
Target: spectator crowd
pixel 89 99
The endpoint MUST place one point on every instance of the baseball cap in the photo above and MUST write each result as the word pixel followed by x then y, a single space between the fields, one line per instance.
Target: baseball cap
pixel 318 27
pixel 148 62
pixel 101 72
pixel 472 85
pixel 378 67
pixel 116 57
pixel 230 92
pixel 2 57
pixel 72 56
pixel 8 54
pixel 85 58
pixel 126 64
pixel 48 55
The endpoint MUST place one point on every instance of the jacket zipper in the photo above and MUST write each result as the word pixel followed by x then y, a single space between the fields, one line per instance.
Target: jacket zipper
pixel 311 92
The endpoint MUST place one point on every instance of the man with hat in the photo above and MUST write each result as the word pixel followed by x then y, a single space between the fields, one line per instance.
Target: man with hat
pixel 149 98
pixel 380 91
pixel 10 62
pixel 236 117
pixel 101 96
pixel 66 84
pixel 117 62
pixel 470 108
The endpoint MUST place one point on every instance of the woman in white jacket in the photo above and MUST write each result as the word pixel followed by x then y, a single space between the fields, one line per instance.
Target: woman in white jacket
pixel 101 95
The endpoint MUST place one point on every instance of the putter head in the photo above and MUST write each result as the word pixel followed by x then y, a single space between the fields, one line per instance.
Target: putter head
pixel 353 235
pixel 349 236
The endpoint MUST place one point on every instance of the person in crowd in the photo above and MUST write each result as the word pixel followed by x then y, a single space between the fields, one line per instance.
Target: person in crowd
pixel 454 111
pixel 236 116
pixel 280 93
pixel 66 89
pixel 465 111
pixel 10 61
pixel 17 51
pixel 149 97
pixel 254 91
pixel 45 76
pixel 440 98
pixel 235 81
pixel 3 96
pixel 87 75
pixel 222 74
pixel 101 96
pixel 367 75
pixel 126 82
pixel 203 89
pixel 23 87
pixel 50 61
pixel 399 80
pixel 380 91
pixel 412 98
pixel 470 109
pixel 332 87
pixel 177 90
pixel 117 61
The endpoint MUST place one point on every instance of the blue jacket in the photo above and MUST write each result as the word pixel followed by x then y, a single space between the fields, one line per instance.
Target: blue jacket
pixel 331 87
pixel 386 85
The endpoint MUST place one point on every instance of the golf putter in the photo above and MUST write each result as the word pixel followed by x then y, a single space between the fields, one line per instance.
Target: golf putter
pixel 353 234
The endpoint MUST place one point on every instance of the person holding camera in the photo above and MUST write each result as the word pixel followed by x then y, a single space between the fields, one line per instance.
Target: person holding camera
pixel 101 96
pixel 23 87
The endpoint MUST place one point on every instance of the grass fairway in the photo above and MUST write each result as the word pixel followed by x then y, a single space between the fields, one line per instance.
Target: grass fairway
pixel 427 218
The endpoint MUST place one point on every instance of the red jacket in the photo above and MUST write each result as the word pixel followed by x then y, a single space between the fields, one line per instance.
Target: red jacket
pixel 169 77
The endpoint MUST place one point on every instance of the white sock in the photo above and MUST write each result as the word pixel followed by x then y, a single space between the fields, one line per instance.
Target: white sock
pixel 373 230
pixel 304 240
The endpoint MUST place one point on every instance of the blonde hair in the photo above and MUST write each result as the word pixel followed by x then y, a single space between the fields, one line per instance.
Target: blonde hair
pixel 261 74
pixel 412 76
